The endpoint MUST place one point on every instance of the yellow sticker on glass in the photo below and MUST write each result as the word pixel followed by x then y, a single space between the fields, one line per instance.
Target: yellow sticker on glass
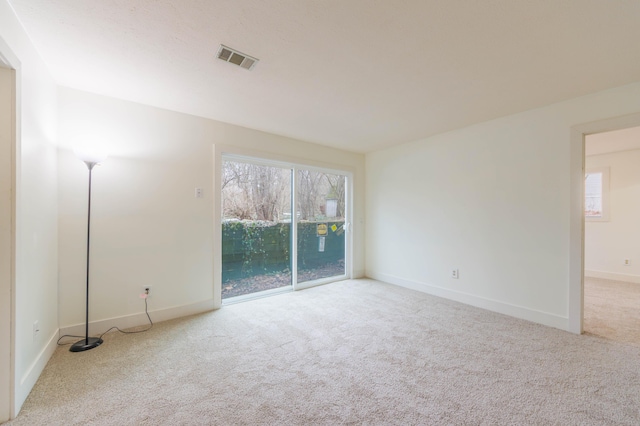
pixel 321 229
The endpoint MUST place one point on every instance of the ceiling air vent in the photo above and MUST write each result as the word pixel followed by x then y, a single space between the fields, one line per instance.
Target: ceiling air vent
pixel 228 54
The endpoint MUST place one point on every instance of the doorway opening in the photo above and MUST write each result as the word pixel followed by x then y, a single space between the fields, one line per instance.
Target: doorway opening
pixel 7 121
pixel 284 227
pixel 611 235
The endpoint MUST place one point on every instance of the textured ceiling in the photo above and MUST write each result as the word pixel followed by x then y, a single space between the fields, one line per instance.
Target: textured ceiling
pixel 354 74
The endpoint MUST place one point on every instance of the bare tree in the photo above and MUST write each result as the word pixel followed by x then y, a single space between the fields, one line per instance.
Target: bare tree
pixel 267 187
pixel 314 189
pixel 309 190
pixel 254 192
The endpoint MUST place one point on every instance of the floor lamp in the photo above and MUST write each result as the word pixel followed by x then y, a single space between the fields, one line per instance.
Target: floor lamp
pixel 90 159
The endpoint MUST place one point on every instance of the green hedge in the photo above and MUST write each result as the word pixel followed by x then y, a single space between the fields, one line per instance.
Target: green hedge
pixel 252 248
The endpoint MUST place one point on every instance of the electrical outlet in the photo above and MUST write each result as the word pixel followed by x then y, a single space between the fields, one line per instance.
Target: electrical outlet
pixel 36 329
pixel 146 292
pixel 199 193
pixel 626 262
pixel 455 274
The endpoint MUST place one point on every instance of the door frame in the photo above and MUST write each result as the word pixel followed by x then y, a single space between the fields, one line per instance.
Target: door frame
pixel 276 160
pixel 577 221
pixel 8 410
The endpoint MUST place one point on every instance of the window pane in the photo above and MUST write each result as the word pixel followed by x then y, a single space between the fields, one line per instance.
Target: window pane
pixel 321 225
pixel 593 195
pixel 256 228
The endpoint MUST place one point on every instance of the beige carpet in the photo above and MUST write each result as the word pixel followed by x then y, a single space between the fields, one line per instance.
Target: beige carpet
pixel 356 352
pixel 612 310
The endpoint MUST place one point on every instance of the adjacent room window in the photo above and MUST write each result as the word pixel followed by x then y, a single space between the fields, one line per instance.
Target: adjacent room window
pixel 596 194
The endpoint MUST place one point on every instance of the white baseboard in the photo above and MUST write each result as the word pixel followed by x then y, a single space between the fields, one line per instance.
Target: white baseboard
pixel 135 320
pixel 30 377
pixel 613 276
pixel 516 311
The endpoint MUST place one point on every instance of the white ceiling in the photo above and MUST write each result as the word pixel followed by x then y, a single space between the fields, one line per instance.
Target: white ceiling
pixel 354 74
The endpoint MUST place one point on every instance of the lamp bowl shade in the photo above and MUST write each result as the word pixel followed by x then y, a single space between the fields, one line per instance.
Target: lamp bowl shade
pixel 91 155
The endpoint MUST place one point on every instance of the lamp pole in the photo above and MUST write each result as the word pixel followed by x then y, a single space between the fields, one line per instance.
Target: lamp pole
pixel 88 342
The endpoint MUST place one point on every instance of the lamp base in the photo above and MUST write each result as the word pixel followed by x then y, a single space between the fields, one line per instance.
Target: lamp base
pixel 86 344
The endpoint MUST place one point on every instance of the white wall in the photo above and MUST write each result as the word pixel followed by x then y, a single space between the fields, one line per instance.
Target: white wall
pixel 147 226
pixel 608 243
pixel 36 262
pixel 496 200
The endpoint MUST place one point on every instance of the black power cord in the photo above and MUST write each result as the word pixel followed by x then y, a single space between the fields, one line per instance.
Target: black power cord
pixel 146 311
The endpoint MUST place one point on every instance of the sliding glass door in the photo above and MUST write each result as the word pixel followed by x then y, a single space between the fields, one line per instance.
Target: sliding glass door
pixel 283 227
pixel 256 228
pixel 320 198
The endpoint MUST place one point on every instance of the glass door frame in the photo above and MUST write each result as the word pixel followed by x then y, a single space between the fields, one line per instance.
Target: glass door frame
pixel 224 152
